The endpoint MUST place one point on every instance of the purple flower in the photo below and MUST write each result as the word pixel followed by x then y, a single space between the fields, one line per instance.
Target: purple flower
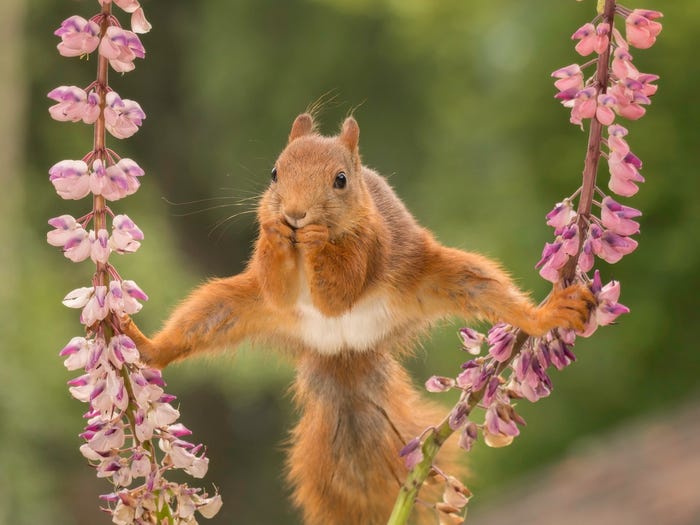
pixel 71 237
pixel 501 340
pixel 123 117
pixel 121 47
pixel 618 218
pixel 458 416
pixel 439 384
pixel 611 247
pixel 562 215
pixel 468 436
pixel 569 78
pixel 125 235
pixel 501 425
pixel 116 181
pixel 78 36
pixel 608 309
pixel 475 375
pixel 471 340
pixel 70 178
pixel 412 452
pixel 74 105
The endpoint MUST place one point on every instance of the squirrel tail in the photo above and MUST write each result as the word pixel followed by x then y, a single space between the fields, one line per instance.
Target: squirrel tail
pixel 357 411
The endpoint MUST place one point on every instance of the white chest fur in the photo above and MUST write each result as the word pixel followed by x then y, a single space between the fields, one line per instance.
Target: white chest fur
pixel 360 328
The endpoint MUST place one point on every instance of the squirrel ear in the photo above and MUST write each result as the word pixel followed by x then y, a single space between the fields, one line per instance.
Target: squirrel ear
pixel 350 134
pixel 303 125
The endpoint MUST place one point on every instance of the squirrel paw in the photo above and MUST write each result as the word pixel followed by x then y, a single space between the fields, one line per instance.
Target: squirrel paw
pixel 312 235
pixel 278 233
pixel 566 308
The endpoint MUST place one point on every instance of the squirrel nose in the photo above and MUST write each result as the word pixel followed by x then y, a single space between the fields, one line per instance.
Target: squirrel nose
pixel 294 217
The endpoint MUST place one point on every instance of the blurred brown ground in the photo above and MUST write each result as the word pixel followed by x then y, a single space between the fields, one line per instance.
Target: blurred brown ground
pixel 646 473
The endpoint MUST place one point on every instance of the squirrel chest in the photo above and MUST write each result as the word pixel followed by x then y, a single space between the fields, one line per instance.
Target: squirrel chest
pixel 360 328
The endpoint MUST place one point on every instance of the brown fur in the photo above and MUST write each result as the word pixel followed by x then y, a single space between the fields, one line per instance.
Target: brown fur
pixel 345 246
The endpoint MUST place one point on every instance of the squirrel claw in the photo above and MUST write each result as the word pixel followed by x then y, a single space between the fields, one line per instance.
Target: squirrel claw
pixel 312 235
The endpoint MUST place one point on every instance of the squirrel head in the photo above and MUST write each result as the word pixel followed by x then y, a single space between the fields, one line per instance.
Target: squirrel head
pixel 317 179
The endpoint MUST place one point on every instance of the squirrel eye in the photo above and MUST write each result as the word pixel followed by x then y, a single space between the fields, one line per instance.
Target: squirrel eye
pixel 340 180
pixel 273 174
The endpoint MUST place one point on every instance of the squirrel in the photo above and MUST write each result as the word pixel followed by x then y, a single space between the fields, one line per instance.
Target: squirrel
pixel 344 278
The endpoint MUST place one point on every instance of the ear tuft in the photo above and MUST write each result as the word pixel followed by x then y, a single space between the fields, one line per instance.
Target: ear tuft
pixel 350 134
pixel 303 125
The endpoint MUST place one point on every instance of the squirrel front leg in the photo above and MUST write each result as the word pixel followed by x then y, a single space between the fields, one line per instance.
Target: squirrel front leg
pixel 472 286
pixel 336 270
pixel 218 314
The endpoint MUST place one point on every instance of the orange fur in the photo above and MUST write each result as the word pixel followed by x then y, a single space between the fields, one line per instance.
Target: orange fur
pixel 345 278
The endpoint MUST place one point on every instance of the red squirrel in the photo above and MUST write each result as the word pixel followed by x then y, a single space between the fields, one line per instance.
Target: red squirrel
pixel 344 278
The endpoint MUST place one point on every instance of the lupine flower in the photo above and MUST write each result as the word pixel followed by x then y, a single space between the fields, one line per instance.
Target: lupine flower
pixel 618 218
pixel 78 36
pixel 458 416
pixel 116 181
pixel 125 235
pixel 608 309
pixel 500 425
pixel 641 29
pixel 592 38
pixel 611 247
pixel 624 174
pixel 605 113
pixel 501 340
pixel 629 97
pixel 70 178
pixel 468 436
pixel 471 340
pixel 74 105
pixel 475 375
pixel 583 105
pixel 123 117
pixel 439 384
pixel 99 252
pixel 121 47
pixel 562 215
pixel 569 78
pixel 412 452
pixel 622 66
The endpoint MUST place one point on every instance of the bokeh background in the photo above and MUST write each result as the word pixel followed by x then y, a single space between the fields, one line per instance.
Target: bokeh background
pixel 455 105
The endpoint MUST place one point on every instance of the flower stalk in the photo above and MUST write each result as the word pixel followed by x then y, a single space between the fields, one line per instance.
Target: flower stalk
pixel 516 364
pixel 128 406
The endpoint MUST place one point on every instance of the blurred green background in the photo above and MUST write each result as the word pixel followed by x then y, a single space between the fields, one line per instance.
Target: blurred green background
pixel 455 105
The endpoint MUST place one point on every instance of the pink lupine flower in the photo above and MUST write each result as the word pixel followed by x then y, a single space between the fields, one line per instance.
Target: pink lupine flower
pixel 74 104
pixel 96 308
pixel 121 47
pixel 458 415
pixel 116 181
pixel 553 259
pixel 570 77
pixel 123 117
pixel 99 251
pixel 592 38
pixel 583 105
pixel 608 245
pixel 78 36
pixel 605 113
pixel 641 29
pixel 76 353
pixel 71 237
pixel 122 298
pixel 500 425
pixel 70 179
pixel 439 384
pixel 501 340
pixel 125 235
pixel 622 66
pixel 616 141
pixel 109 438
pixel 139 24
pixel 471 340
pixel 121 349
pixel 468 436
pixel 629 97
pixel 618 218
pixel 608 309
pixel 412 453
pixel 624 174
pixel 562 215
pixel 475 375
